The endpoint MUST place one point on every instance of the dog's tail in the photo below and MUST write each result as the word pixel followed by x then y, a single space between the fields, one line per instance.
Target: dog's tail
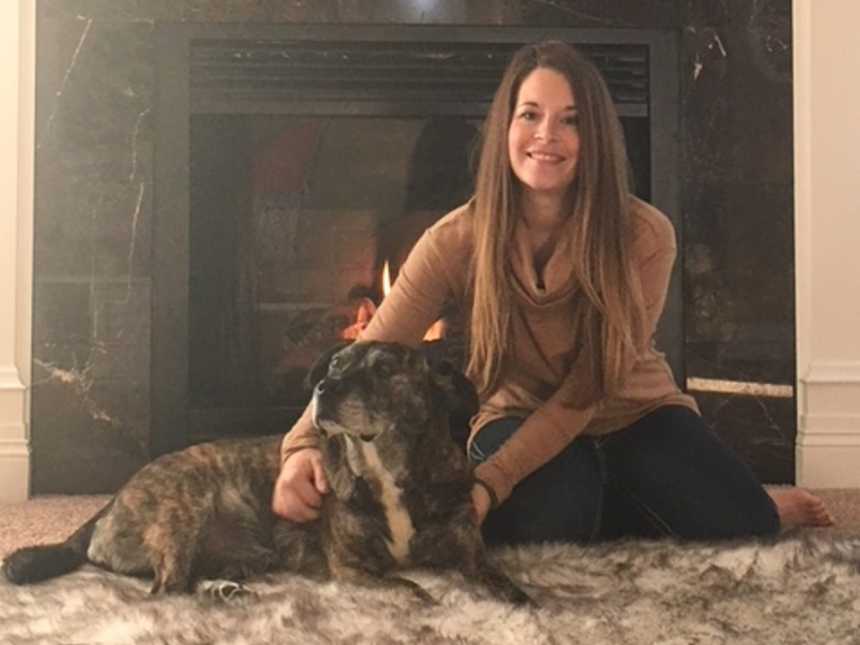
pixel 43 561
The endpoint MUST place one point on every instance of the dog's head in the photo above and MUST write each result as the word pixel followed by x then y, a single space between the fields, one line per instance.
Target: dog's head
pixel 369 388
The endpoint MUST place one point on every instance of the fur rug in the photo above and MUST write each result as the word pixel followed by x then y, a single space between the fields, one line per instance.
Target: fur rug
pixel 792 591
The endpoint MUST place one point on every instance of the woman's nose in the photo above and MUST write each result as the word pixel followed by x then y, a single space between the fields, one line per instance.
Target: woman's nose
pixel 545 129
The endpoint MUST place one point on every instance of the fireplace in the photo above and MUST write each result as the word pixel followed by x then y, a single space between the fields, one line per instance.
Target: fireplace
pixel 294 163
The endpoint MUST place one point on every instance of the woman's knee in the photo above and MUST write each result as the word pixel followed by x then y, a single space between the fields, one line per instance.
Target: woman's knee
pixel 543 509
pixel 558 502
pixel 684 473
pixel 491 437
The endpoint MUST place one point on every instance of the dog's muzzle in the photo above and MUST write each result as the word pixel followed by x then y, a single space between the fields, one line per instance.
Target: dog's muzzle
pixel 324 412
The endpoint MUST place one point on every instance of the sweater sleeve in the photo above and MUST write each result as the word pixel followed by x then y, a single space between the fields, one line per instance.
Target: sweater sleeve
pixel 553 426
pixel 416 299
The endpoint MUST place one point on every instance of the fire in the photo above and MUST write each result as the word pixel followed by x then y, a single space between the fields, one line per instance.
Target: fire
pixel 386 279
pixel 366 310
pixel 436 331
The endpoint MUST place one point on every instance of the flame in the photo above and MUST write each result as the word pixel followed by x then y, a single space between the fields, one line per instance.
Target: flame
pixel 436 331
pixel 386 279
pixel 366 310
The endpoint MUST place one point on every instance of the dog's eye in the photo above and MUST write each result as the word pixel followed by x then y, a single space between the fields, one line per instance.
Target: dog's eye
pixel 384 369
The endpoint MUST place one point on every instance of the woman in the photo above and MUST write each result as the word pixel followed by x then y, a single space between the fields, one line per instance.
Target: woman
pixel 582 433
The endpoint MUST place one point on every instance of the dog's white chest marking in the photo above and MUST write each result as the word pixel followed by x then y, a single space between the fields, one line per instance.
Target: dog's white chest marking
pixel 398 518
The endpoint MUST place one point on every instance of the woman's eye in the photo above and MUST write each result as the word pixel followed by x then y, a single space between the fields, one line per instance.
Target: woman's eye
pixel 572 121
pixel 528 116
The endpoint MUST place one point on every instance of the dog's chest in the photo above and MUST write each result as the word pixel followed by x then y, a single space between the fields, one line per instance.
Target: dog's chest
pixel 390 499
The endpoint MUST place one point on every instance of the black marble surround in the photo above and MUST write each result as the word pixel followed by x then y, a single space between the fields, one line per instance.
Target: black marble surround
pixel 95 182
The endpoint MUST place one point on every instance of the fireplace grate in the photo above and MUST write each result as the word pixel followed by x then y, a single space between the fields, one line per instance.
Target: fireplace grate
pixel 355 72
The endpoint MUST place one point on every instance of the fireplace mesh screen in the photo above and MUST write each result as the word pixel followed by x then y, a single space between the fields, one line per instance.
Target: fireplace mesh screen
pixel 460 73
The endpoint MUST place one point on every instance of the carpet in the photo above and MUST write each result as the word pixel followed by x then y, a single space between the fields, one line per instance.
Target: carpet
pixel 802 589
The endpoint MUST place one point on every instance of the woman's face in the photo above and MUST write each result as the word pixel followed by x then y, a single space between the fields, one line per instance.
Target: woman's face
pixel 543 138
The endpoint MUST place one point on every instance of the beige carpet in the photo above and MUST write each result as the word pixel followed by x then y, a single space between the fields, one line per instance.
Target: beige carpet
pixel 51 518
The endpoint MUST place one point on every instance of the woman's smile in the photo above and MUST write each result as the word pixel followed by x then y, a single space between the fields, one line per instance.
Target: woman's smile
pixel 544 157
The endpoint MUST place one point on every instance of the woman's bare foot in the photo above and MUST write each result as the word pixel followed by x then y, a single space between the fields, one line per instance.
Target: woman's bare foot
pixel 798 507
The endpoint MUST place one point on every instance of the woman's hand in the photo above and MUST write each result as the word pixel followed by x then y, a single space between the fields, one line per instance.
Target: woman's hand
pixel 300 487
pixel 481 502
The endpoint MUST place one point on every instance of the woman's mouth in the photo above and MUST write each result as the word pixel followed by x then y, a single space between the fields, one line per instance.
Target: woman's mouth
pixel 544 157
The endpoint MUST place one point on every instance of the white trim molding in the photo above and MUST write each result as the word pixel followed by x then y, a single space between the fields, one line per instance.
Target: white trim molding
pixel 14 437
pixel 827 235
pixel 828 429
pixel 17 84
pixel 834 373
pixel 14 443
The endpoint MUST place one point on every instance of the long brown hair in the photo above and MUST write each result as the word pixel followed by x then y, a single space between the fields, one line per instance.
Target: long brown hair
pixel 609 317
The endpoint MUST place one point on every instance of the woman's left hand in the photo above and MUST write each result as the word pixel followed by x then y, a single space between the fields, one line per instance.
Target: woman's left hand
pixel 481 502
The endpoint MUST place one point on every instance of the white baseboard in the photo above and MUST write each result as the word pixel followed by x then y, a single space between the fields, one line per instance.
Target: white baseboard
pixel 828 466
pixel 9 379
pixel 828 432
pixel 14 437
pixel 14 470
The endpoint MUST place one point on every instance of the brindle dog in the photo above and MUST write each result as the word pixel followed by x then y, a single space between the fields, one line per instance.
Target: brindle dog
pixel 400 493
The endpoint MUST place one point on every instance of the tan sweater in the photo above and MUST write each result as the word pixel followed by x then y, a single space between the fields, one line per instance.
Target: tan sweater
pixel 536 381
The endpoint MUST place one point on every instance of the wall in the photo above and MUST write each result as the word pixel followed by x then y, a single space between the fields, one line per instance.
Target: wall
pixel 827 241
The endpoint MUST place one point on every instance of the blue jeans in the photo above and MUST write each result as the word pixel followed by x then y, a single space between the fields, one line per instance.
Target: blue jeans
pixel 665 475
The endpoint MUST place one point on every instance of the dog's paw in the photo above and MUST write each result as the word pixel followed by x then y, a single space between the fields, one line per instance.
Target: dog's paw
pixel 224 590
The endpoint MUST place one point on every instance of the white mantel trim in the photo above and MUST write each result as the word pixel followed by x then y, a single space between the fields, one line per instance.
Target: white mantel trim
pixel 18 80
pixel 827 234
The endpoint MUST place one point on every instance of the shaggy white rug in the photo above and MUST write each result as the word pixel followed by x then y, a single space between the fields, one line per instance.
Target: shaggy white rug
pixel 792 591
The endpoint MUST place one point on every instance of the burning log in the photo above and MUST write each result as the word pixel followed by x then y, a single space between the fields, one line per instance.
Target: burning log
pixel 366 310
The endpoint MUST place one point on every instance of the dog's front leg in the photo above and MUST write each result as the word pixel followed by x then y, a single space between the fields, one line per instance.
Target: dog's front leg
pixel 404 583
pixel 469 555
pixel 376 580
pixel 499 584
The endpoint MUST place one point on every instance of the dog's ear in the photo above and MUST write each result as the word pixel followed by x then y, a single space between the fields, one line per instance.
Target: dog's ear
pixel 320 367
pixel 458 392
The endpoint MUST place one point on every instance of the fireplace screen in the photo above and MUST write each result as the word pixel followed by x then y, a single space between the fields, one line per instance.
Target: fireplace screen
pixel 292 177
pixel 294 221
